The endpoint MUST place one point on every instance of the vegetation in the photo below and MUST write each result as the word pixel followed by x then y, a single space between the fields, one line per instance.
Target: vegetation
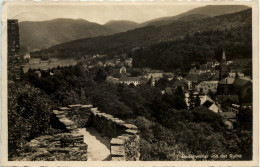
pixel 168 130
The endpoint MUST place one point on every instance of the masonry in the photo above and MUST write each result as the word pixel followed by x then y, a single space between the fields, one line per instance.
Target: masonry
pixel 124 144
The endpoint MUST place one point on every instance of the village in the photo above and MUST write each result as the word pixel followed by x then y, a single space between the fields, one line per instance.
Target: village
pixel 217 85
pixel 214 85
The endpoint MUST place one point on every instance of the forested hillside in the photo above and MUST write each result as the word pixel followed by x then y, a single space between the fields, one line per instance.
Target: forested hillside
pixel 234 27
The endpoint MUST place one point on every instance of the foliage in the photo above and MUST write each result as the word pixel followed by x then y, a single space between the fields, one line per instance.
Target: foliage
pixel 28 116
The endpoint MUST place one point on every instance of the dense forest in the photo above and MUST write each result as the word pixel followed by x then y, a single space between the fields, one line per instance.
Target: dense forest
pixel 167 129
pixel 197 47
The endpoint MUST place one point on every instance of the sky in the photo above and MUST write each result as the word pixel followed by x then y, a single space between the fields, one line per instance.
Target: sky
pixel 96 13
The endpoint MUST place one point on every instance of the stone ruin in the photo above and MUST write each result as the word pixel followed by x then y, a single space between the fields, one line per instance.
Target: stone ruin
pixel 124 144
pixel 69 145
pixel 66 146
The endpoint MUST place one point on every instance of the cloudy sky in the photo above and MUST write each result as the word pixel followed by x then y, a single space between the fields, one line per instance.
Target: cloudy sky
pixel 96 13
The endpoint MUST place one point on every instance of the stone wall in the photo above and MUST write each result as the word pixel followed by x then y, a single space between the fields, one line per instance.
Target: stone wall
pixel 66 146
pixel 125 144
pixel 59 147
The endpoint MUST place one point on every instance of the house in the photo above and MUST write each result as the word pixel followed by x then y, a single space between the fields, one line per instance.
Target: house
pixel 155 75
pixel 130 80
pixel 242 87
pixel 207 86
pixel 225 86
pixel 212 63
pixel 229 62
pixel 181 84
pixel 27 56
pixel 128 62
pixel 38 73
pixel 100 64
pixel 204 98
pixel 122 70
pixel 117 61
pixel 191 81
pixel 229 119
pixel 233 108
pixel 212 106
pixel 110 79
pixel 224 98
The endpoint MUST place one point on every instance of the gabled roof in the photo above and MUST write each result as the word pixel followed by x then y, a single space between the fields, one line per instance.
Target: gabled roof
pixel 179 83
pixel 228 115
pixel 207 103
pixel 223 98
pixel 240 82
pixel 228 81
pixel 192 78
pixel 124 79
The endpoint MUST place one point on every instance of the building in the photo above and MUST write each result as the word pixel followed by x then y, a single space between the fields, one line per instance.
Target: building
pixel 229 119
pixel 155 75
pixel 181 84
pixel 27 56
pixel 212 106
pixel 223 67
pixel 130 80
pixel 38 73
pixel 128 62
pixel 110 79
pixel 225 86
pixel 242 87
pixel 207 86
pixel 122 70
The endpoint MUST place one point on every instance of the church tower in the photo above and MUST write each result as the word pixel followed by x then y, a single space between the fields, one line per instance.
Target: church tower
pixel 224 60
pixel 223 67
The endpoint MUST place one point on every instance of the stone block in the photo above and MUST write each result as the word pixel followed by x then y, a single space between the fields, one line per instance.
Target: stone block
pixel 117 151
pixel 132 132
pixel 87 106
pixel 118 159
pixel 64 109
pixel 130 126
pixel 75 106
pixel 117 142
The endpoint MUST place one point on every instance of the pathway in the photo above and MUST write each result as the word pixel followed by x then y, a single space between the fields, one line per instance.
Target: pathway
pixel 98 147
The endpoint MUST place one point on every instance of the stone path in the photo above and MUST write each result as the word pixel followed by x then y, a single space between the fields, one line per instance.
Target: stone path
pixel 98 147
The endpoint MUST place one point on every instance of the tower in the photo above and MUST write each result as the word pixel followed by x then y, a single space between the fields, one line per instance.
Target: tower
pixel 224 60
pixel 13 38
pixel 223 72
pixel 14 57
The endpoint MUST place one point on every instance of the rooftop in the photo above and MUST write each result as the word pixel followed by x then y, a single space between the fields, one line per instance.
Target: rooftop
pixel 130 79
pixel 240 82
pixel 227 80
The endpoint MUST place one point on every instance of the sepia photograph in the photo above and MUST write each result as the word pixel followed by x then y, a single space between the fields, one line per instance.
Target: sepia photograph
pixel 143 82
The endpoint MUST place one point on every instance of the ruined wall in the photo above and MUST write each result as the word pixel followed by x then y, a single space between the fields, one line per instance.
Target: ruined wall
pixel 66 146
pixel 59 147
pixel 125 144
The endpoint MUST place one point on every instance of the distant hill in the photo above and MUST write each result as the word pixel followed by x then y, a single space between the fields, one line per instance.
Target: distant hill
pixel 44 34
pixel 146 36
pixel 210 11
pixel 121 25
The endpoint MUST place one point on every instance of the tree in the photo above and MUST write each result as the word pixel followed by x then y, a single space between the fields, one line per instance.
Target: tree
pixel 101 75
pixel 28 116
